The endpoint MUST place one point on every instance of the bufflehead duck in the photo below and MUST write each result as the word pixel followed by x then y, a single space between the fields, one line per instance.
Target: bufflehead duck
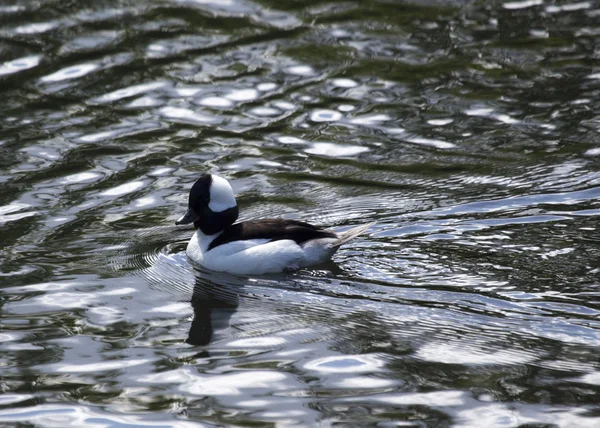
pixel 252 247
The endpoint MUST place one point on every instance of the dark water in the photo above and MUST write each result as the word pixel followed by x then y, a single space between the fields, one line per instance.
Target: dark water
pixel 469 131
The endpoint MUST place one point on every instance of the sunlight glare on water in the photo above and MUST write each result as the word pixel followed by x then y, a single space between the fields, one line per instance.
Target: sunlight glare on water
pixel 467 131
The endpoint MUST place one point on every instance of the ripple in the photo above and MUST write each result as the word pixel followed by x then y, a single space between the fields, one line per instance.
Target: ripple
pixel 488 112
pixel 267 86
pixel 236 383
pixel 243 95
pixel 252 164
pixel 364 382
pixel 97 136
pixel 265 111
pixel 11 8
pixel 258 342
pixel 522 4
pixel 5 218
pixel 146 256
pixel 124 189
pixel 440 122
pixel 7 399
pixel 568 7
pixel 161 172
pixel 145 202
pixel 441 398
pixel 335 150
pixel 59 300
pixel 325 116
pixel 172 308
pixel 99 366
pixel 36 28
pixel 593 152
pixel 284 105
pixel 591 378
pixel 11 208
pixel 48 286
pixel 145 102
pixel 290 140
pixel 20 64
pixel 130 92
pixel 72 72
pixel 105 315
pixel 187 91
pixel 346 107
pixel 186 115
pixel 90 42
pixel 344 83
pixel 82 177
pixel 62 415
pixel 370 120
pixel 438 144
pixel 345 364
pixel 465 354
pixel 216 102
pixel 301 70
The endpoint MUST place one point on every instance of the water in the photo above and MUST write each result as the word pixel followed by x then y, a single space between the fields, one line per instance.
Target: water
pixel 469 131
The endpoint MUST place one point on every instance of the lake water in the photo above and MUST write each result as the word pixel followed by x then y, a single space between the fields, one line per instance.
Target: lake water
pixel 469 131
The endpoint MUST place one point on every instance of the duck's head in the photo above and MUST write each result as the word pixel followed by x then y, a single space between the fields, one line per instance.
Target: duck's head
pixel 211 206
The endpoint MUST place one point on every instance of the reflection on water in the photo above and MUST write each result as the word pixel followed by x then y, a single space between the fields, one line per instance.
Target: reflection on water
pixel 468 131
pixel 213 303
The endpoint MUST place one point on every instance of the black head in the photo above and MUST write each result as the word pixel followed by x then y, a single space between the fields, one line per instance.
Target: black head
pixel 211 205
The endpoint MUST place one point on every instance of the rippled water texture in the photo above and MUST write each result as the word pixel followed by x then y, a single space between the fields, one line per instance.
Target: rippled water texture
pixel 468 131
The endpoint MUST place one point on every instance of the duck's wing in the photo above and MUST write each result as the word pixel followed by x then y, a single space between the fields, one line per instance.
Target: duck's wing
pixel 272 230
pixel 267 257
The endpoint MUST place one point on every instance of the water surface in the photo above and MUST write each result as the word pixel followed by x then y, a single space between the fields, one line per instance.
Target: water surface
pixel 468 131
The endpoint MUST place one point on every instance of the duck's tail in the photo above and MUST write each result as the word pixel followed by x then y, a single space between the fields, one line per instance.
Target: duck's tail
pixel 346 236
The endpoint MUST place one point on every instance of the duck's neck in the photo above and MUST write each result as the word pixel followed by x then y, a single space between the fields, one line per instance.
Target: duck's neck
pixel 203 240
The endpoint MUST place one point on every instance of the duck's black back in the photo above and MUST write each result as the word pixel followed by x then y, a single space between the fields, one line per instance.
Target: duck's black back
pixel 271 229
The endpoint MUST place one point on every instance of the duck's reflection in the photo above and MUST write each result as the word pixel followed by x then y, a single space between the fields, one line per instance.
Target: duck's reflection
pixel 215 298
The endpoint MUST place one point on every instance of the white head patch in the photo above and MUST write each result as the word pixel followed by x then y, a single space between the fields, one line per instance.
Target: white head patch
pixel 221 195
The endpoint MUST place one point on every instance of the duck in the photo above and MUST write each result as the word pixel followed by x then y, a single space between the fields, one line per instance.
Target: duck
pixel 253 247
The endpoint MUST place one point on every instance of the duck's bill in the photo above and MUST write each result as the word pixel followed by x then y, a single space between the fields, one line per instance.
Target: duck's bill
pixel 188 217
